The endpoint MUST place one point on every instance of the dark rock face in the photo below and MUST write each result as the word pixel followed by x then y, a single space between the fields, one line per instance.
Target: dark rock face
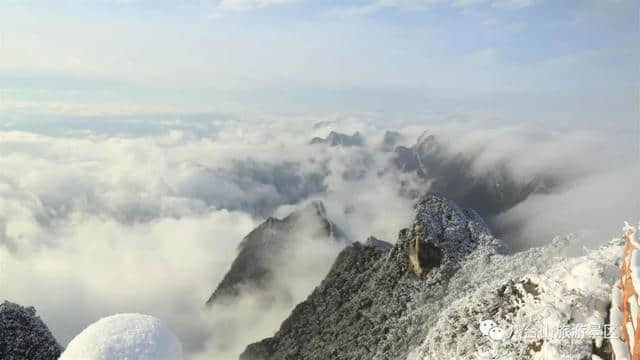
pixel 450 175
pixel 23 336
pixel 390 140
pixel 265 249
pixel 378 301
pixel 339 139
pixel 287 183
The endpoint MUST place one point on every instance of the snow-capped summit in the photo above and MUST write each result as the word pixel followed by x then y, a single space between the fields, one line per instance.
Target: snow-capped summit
pixel 125 336
pixel 443 234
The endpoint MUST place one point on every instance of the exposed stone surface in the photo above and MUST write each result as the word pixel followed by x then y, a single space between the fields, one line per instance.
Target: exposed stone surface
pixel 23 336
pixel 451 175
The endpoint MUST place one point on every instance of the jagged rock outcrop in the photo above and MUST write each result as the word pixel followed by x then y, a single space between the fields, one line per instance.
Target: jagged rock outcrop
pixel 340 139
pixel 377 302
pixel 449 290
pixel 452 175
pixel 23 336
pixel 540 305
pixel 268 247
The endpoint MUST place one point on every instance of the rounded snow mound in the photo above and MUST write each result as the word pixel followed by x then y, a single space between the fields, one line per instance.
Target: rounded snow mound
pixel 125 336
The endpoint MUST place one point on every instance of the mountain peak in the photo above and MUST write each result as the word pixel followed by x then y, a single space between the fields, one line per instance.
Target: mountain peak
pixel 264 249
pixel 441 235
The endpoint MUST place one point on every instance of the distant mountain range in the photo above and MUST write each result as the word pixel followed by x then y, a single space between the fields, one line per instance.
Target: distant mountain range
pixel 339 139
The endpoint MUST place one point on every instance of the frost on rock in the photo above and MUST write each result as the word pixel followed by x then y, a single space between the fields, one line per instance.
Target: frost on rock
pixel 23 336
pixel 557 314
pixel 426 297
pixel 377 301
pixel 125 336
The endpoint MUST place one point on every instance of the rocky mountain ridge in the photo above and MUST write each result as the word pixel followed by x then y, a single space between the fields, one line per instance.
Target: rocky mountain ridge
pixel 364 308
pixel 450 174
pixel 425 297
pixel 265 249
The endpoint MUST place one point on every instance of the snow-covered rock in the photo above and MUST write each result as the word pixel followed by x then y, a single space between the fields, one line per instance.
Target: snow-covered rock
pixel 125 337
pixel 560 313
pixel 377 302
pixel 23 336
pixel 449 290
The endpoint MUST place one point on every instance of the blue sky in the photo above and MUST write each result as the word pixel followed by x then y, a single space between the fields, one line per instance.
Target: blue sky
pixel 192 56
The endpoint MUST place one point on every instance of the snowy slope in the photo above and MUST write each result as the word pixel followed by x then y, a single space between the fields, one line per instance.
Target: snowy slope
pixel 555 314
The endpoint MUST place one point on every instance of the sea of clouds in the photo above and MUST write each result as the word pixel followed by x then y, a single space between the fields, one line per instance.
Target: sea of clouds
pixel 97 219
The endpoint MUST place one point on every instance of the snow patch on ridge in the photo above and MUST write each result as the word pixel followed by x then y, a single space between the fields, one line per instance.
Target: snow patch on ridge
pixel 553 314
pixel 125 336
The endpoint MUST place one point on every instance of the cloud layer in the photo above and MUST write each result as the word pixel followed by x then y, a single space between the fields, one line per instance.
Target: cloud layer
pixel 94 223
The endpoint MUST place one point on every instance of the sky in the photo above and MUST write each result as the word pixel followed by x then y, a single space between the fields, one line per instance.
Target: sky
pixel 116 57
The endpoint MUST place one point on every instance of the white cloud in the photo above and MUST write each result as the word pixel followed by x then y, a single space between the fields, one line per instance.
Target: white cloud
pixel 108 224
pixel 378 5
pixel 511 4
pixel 245 5
pixel 420 5
pixel 100 224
